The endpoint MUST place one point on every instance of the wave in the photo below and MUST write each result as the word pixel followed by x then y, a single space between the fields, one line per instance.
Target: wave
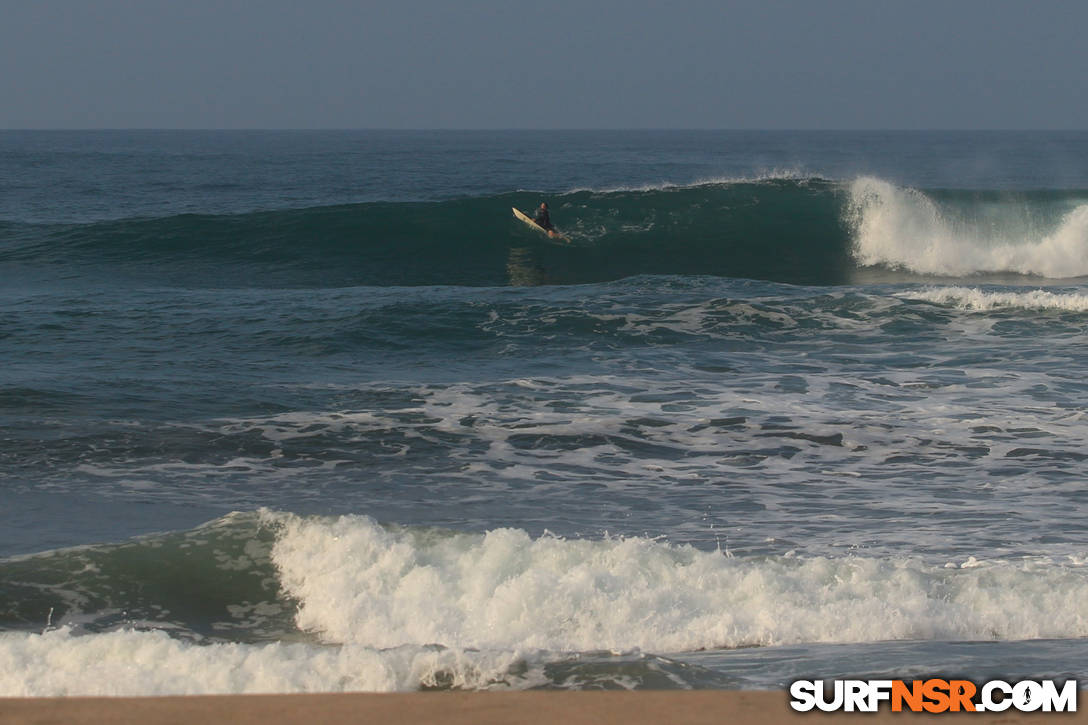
pixel 959 233
pixel 976 299
pixel 277 602
pixel 131 663
pixel 717 229
pixel 214 582
pixel 350 580
pixel 358 582
pixel 779 228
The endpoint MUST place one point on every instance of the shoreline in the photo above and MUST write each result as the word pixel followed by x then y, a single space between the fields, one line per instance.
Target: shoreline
pixel 734 707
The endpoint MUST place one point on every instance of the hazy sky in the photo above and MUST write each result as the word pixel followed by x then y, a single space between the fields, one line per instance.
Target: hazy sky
pixel 557 64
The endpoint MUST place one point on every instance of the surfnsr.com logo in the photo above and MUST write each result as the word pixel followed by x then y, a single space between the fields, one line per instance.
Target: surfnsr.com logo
pixel 933 695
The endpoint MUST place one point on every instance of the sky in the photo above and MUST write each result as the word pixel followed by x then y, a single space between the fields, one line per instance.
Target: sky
pixel 759 64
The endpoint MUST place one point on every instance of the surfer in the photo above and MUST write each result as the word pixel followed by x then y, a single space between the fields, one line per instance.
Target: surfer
pixel 543 218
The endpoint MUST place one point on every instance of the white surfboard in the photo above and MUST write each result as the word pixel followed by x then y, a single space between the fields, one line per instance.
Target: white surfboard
pixel 533 225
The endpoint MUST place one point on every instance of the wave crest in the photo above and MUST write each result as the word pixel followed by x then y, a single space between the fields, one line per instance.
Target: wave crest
pixel 773 228
pixel 906 229
pixel 358 582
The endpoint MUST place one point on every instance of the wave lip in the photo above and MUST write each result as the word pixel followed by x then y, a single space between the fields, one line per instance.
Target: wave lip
pixel 907 229
pixel 769 175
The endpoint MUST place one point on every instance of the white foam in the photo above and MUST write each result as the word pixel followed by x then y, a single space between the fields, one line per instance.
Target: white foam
pixel 903 228
pixel 137 663
pixel 775 174
pixel 503 603
pixel 360 583
pixel 967 298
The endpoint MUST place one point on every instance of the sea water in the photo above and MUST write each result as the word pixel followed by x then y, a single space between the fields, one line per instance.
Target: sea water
pixel 311 411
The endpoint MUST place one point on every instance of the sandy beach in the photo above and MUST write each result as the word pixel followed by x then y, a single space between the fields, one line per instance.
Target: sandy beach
pixel 531 708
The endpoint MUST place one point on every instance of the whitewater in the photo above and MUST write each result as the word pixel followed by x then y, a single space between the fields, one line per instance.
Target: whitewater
pixel 311 412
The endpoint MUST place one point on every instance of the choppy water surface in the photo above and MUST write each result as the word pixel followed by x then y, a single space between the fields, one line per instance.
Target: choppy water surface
pixel 788 405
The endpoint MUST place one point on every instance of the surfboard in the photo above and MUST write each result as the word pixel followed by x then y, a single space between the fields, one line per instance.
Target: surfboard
pixel 533 225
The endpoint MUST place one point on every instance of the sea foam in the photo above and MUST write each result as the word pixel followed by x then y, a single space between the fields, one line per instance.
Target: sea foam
pixel 361 583
pixel 906 229
pixel 139 663
pixel 969 298
pixel 404 608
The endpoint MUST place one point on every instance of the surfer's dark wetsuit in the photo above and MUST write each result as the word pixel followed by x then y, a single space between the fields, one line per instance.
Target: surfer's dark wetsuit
pixel 543 218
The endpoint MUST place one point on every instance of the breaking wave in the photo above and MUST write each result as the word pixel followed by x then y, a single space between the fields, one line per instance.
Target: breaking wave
pixel 379 607
pixel 782 229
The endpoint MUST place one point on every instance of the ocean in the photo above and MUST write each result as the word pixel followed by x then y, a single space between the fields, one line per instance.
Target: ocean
pixel 312 412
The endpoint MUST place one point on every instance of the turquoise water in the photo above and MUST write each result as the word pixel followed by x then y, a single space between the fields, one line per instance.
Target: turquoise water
pixel 312 412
